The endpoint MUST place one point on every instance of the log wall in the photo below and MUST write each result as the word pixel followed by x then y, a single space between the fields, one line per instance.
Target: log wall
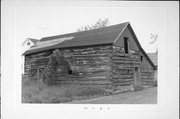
pixel 97 65
pixel 90 65
pixel 123 67
pixel 36 60
pixel 147 76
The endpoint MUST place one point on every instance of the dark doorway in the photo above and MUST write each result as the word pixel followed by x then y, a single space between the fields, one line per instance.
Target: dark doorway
pixel 137 79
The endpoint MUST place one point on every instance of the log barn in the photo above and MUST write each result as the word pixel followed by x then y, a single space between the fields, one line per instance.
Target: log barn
pixel 106 56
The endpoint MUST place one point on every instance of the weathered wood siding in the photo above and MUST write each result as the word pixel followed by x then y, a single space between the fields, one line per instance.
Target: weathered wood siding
pixel 123 66
pixel 146 69
pixel 36 60
pixel 91 65
pixel 103 64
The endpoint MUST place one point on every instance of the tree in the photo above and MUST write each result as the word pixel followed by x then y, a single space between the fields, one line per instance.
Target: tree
pixel 99 24
pixel 154 37
pixel 154 40
pixel 56 59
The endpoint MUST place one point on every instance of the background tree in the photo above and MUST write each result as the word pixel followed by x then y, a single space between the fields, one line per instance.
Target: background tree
pixel 154 40
pixel 99 24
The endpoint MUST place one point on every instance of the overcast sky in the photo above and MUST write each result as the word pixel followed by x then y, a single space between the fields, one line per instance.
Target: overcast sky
pixel 37 22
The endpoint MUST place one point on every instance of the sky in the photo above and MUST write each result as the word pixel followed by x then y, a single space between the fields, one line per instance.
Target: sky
pixel 37 22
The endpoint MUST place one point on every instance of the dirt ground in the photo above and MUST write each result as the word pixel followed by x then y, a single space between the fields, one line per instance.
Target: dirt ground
pixel 145 96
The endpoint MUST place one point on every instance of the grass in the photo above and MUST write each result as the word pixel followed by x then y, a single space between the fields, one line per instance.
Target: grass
pixel 36 92
pixel 145 96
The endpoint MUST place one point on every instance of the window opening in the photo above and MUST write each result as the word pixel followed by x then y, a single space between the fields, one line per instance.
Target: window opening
pixel 141 58
pixel 126 45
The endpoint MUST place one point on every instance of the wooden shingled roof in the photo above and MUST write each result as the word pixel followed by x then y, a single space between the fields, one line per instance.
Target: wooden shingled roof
pixel 106 35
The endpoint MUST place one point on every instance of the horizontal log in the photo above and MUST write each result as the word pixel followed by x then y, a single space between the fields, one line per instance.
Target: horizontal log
pixel 97 69
pixel 80 83
pixel 122 81
pixel 147 80
pixel 146 70
pixel 118 51
pixel 123 68
pixel 146 76
pixel 103 47
pixel 125 62
pixel 36 64
pixel 87 76
pixel 94 51
pixel 122 77
pixel 38 58
pixel 123 84
pixel 80 79
pixel 45 53
pixel 125 59
pixel 95 77
pixel 91 64
pixel 92 48
pixel 93 59
pixel 149 75
pixel 82 49
pixel 85 82
pixel 91 55
pixel 123 71
pixel 125 55
pixel 97 74
pixel 82 62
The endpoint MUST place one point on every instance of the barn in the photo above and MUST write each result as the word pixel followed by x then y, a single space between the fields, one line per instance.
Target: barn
pixel 29 42
pixel 110 56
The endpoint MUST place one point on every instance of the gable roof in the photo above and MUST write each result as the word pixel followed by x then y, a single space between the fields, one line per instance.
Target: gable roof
pixel 31 39
pixel 140 48
pixel 105 35
pixel 101 36
pixel 153 57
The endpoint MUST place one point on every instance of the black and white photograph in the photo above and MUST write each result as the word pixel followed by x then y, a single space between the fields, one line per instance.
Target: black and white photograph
pixel 90 56
pixel 103 62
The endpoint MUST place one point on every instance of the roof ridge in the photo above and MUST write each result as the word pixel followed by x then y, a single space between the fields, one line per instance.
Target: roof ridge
pixel 82 32
pixel 121 32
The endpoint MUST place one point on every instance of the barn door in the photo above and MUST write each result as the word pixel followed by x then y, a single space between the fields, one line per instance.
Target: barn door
pixel 37 74
pixel 33 74
pixel 41 74
pixel 137 79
